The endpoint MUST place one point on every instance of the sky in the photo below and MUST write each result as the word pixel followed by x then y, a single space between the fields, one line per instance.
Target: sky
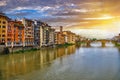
pixel 89 18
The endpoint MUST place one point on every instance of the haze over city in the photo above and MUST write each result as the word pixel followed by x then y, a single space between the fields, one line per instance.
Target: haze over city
pixel 89 18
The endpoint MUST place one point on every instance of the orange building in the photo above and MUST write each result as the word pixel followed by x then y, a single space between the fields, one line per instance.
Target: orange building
pixel 59 38
pixel 3 28
pixel 63 37
pixel 69 37
pixel 29 32
pixel 15 33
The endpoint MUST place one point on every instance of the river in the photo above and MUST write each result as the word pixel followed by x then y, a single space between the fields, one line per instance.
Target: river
pixel 66 63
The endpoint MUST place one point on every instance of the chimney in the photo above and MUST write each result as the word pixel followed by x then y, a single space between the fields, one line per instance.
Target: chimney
pixel 61 28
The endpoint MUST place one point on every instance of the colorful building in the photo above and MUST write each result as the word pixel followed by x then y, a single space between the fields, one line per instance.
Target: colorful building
pixel 69 37
pixel 15 34
pixel 59 38
pixel 44 34
pixel 40 33
pixel 51 36
pixel 3 28
pixel 29 32
pixel 47 35
pixel 37 32
pixel 63 37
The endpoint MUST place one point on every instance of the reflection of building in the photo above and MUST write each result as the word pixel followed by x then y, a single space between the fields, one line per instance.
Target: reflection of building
pixel 29 32
pixel 26 63
pixel 3 28
pixel 15 33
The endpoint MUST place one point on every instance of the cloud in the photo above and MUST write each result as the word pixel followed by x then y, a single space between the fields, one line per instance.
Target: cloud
pixel 62 11
pixel 72 14
pixel 3 3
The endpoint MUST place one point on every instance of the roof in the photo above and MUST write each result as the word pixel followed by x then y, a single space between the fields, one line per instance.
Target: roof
pixel 3 15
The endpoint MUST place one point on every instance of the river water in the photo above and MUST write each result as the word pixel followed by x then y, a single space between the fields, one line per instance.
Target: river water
pixel 67 63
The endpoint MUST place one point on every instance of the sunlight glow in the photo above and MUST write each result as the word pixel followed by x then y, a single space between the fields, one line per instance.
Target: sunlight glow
pixel 103 17
pixel 106 16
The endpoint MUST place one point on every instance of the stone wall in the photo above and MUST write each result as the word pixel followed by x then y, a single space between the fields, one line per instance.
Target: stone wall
pixel 19 48
pixel 4 50
pixel 1 48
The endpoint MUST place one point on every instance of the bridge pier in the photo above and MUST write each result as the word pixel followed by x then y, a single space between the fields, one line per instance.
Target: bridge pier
pixel 103 44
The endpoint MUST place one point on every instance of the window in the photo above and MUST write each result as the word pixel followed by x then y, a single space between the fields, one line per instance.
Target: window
pixel 3 31
pixel 3 35
pixel 3 40
pixel 4 22
pixel 3 26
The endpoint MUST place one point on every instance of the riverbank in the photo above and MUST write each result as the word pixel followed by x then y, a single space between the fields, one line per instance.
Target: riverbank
pixel 80 43
pixel 36 49
pixel 117 44
pixel 64 45
pixel 29 50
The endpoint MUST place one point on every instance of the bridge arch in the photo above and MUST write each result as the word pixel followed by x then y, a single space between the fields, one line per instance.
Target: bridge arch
pixel 103 42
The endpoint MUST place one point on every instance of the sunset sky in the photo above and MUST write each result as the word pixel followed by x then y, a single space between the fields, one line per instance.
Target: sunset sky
pixel 89 18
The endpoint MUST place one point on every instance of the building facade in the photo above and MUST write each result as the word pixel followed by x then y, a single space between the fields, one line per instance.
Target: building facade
pixel 15 34
pixel 47 35
pixel 69 37
pixel 63 37
pixel 44 34
pixel 37 32
pixel 59 38
pixel 3 28
pixel 51 36
pixel 29 32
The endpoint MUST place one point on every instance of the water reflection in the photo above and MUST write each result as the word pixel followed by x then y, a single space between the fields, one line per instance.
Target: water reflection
pixel 21 64
pixel 68 63
pixel 97 44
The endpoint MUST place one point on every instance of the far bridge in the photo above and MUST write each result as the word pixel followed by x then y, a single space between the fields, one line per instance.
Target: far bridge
pixel 103 42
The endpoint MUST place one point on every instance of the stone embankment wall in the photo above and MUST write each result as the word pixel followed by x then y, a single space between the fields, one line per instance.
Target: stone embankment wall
pixel 4 50
pixel 1 49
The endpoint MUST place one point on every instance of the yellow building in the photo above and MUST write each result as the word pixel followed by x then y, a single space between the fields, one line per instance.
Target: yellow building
pixel 3 28
pixel 69 37
pixel 59 38
pixel 63 37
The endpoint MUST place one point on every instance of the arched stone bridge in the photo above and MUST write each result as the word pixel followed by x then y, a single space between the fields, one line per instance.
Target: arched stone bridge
pixel 103 42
